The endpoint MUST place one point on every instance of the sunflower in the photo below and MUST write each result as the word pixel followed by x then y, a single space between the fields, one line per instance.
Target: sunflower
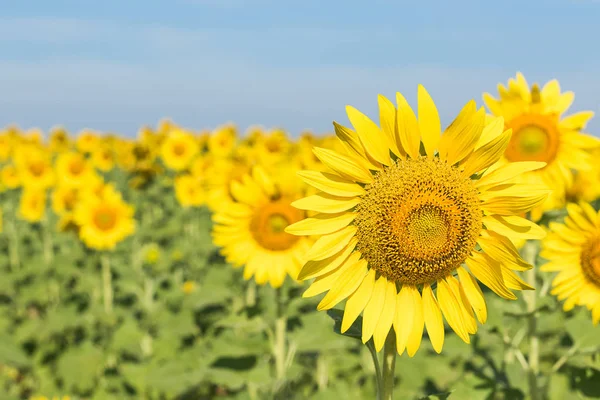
pixel 542 133
pixel 189 190
pixel 223 141
pixel 64 199
pixel 34 167
pixel 87 141
pixel 572 249
pixel 104 220
pixel 404 209
pixel 251 230
pixel 6 147
pixel 219 177
pixel 103 158
pixel 10 177
pixel 73 169
pixel 179 149
pixel 59 140
pixel 32 207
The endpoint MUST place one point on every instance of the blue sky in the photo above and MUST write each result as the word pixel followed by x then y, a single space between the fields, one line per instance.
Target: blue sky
pixel 117 65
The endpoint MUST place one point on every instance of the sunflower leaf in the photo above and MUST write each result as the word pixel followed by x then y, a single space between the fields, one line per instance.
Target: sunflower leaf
pixel 355 330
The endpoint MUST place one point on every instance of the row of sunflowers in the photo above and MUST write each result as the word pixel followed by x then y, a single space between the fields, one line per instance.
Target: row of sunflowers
pixel 117 253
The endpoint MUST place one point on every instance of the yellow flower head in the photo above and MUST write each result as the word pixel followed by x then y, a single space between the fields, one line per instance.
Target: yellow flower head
pixel 179 149
pixel 104 220
pixel 542 133
pixel 251 230
pixel 188 287
pixel 73 169
pixel 189 190
pixel 6 147
pixel 219 176
pixel 103 158
pixel 59 140
pixel 34 167
pixel 222 142
pixel 10 177
pixel 64 199
pixel 32 207
pixel 573 250
pixel 87 141
pixel 272 148
pixel 409 218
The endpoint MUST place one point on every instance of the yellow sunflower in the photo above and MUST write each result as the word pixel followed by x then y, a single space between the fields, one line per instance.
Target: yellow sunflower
pixel 104 220
pixel 103 158
pixel 404 209
pixel 73 169
pixel 6 147
pixel 59 140
pixel 64 199
pixel 251 230
pixel 10 177
pixel 573 249
pixel 189 190
pixel 219 177
pixel 34 167
pixel 87 141
pixel 542 133
pixel 222 141
pixel 179 149
pixel 32 206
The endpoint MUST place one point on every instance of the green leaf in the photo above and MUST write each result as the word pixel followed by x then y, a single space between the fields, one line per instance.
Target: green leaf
pixel 582 331
pixel 79 367
pixel 355 330
pixel 11 353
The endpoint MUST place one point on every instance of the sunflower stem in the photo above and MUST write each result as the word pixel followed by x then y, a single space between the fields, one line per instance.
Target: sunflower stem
pixel 279 350
pixel 530 255
pixel 251 293
pixel 107 283
pixel 389 364
pixel 371 347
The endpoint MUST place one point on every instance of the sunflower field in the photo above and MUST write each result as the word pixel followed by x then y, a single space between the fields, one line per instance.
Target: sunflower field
pixel 452 259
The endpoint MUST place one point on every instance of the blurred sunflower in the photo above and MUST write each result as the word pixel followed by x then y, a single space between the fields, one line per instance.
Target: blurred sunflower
pixel 104 221
pixel 222 142
pixel 64 199
pixel 10 177
pixel 573 249
pixel 59 140
pixel 251 230
pixel 272 148
pixel 404 209
pixel 32 206
pixel 219 177
pixel 34 167
pixel 73 169
pixel 178 150
pixel 103 158
pixel 6 147
pixel 87 141
pixel 541 133
pixel 189 191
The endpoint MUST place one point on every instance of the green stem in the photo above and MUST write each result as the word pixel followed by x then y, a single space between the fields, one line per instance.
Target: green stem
pixel 530 297
pixel 389 364
pixel 371 348
pixel 107 283
pixel 251 293
pixel 279 350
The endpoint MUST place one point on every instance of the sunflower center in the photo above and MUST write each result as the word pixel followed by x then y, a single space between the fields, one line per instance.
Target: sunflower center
pixel 590 260
pixel 37 168
pixel 105 219
pixel 535 138
pixel 179 149
pixel 418 221
pixel 268 224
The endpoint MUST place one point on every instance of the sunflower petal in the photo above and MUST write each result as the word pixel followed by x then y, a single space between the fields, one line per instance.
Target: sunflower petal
pixel 433 319
pixel 313 269
pixel 326 203
pixel 331 183
pixel 358 300
pixel 328 245
pixel 408 128
pixel 387 316
pixel 343 165
pixel 373 309
pixel 347 283
pixel 488 272
pixel 473 293
pixel 387 120
pixel 513 226
pixel 371 137
pixel 430 126
pixel 321 224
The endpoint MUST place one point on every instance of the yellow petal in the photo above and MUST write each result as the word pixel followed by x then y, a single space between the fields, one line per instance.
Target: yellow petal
pixel 387 316
pixel 352 143
pixel 326 203
pixel 460 137
pixel 513 226
pixel 260 175
pixel 474 294
pixel 387 120
pixel 313 269
pixel 550 92
pixel 371 137
pixel 488 272
pixel 343 165
pixel 487 155
pixel 577 121
pixel 404 317
pixel 491 131
pixel 513 281
pixel 358 300
pixel 518 200
pixel 501 249
pixel 321 224
pixel 429 121
pixel 416 333
pixel 467 316
pixel 433 319
pixel 331 183
pixel 347 283
pixel 328 245
pixel 408 128
pixel 373 309
pixel 452 310
pixel 508 172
